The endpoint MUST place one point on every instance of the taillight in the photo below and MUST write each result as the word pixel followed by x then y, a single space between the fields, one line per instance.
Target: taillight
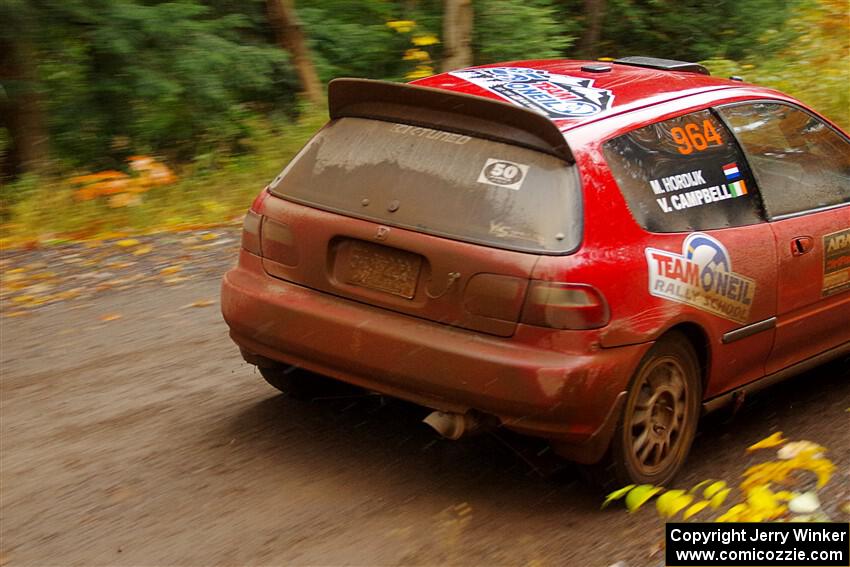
pixel 251 232
pixel 279 243
pixel 565 306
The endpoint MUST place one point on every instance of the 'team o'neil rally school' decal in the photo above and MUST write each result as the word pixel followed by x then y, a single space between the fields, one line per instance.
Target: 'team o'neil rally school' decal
pixel 701 276
pixel 555 96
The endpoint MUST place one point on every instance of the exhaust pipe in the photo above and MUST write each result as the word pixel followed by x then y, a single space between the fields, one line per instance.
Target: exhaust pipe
pixel 453 425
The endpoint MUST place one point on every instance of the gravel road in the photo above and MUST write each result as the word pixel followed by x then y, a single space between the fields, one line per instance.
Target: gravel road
pixel 133 434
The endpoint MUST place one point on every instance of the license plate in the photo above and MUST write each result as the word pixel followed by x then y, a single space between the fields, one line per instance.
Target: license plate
pixel 382 268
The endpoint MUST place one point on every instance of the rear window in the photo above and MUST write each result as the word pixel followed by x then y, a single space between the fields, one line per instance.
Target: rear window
pixel 440 183
pixel 683 174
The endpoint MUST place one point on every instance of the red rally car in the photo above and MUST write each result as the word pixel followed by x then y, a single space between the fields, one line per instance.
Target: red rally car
pixel 592 253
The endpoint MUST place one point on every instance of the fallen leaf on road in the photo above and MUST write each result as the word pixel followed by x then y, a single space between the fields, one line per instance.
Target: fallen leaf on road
pixel 640 495
pixel 110 317
pixel 127 242
pixel 168 270
pixel 142 250
pixel 795 448
pixel 806 503
pixel 774 440
pixel 202 303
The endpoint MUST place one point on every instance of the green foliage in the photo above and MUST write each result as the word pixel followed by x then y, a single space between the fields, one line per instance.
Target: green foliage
pixel 813 68
pixel 203 85
pixel 519 29
pixel 123 76
pixel 213 188
pixel 693 30
pixel 349 38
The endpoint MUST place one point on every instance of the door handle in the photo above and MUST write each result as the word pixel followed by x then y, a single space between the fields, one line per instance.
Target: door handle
pixel 802 244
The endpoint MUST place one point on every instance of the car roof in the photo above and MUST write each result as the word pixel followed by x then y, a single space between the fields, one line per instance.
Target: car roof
pixel 572 93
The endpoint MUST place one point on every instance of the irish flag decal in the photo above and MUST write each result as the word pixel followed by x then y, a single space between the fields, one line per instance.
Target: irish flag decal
pixel 733 178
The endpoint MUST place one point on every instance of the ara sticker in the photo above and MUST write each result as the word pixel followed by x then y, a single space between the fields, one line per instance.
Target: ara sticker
pixel 550 94
pixel 701 276
pixel 503 173
pixel 836 262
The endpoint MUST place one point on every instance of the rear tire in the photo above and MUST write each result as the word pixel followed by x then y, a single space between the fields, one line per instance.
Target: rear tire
pixel 659 419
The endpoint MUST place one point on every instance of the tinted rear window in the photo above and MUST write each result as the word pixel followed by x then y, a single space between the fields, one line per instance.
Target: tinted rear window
pixel 438 182
pixel 684 174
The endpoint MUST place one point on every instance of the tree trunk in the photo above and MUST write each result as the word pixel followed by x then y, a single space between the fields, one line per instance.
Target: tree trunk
pixel 594 13
pixel 290 36
pixel 20 109
pixel 457 34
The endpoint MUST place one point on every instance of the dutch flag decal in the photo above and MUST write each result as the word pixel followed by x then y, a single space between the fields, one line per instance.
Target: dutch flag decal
pixel 734 181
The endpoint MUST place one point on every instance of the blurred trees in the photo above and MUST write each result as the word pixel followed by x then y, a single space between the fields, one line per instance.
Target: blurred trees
pixel 90 82
pixel 114 77
pixel 457 34
pixel 290 36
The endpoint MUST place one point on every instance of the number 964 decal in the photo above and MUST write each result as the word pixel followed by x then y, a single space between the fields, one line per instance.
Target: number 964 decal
pixel 503 173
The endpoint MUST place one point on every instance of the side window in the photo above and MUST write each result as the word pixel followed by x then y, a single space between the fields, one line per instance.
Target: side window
pixel 800 163
pixel 684 174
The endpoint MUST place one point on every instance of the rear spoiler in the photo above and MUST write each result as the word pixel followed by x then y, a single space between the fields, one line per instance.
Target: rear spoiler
pixel 446 110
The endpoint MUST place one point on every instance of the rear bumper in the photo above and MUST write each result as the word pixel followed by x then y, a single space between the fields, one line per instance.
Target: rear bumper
pixel 572 399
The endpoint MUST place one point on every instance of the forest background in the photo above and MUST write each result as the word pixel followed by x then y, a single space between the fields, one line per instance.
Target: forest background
pixel 132 116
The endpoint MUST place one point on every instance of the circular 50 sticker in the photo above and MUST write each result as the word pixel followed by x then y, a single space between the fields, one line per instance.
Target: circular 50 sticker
pixel 503 173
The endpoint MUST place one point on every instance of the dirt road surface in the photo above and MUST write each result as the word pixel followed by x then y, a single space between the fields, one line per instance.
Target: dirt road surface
pixel 133 434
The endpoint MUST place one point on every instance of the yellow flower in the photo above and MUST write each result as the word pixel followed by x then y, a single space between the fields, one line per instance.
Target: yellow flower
pixel 402 26
pixel 420 72
pixel 416 55
pixel 421 40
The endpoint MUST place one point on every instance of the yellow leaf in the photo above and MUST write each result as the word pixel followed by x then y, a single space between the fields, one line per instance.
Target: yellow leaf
pixel 127 243
pixel 719 498
pixel 695 509
pixel 639 495
pixel 617 494
pixel 762 499
pixel 110 317
pixel 734 513
pixel 142 250
pixel 202 303
pixel 774 440
pixel 671 502
pixel 699 485
pixel 713 489
pixel 168 270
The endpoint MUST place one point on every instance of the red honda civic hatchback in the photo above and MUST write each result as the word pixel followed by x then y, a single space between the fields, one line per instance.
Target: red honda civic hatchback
pixel 592 253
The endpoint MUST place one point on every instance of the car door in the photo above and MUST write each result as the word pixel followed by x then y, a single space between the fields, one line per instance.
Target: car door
pixel 802 167
pixel 709 251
